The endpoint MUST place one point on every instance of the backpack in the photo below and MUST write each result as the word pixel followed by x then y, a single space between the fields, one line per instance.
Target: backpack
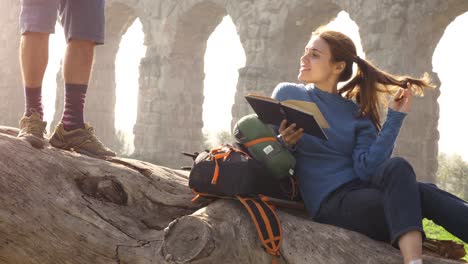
pixel 224 171
pixel 230 172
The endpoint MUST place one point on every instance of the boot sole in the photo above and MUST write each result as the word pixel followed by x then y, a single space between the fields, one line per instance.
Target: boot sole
pixel 57 144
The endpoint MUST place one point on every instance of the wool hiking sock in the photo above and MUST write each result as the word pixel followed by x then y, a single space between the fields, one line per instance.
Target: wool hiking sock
pixel 33 100
pixel 72 117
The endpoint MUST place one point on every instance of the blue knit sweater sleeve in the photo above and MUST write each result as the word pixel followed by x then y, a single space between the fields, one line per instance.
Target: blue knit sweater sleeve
pixel 373 148
pixel 280 95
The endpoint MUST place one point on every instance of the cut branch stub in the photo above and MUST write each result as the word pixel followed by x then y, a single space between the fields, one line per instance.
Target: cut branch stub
pixel 186 239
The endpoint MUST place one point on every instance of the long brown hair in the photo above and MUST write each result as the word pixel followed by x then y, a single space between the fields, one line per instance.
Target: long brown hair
pixel 370 83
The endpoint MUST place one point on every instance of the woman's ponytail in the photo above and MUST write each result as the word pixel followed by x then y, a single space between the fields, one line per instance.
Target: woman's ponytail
pixel 370 84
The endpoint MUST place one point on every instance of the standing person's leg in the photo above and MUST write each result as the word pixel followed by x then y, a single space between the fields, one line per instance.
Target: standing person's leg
pixel 445 210
pixel 37 21
pixel 83 22
pixel 34 55
pixel 397 181
pixel 76 72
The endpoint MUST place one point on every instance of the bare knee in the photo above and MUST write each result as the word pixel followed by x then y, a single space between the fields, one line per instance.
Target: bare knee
pixel 78 61
pixel 81 46
pixel 34 40
pixel 34 55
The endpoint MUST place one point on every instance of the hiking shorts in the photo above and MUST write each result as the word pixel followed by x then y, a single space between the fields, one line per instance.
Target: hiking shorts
pixel 81 19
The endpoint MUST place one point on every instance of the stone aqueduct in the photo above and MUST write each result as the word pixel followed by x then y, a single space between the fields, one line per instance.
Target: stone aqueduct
pixel 397 35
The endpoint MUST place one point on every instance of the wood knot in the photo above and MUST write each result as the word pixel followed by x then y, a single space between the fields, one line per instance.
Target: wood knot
pixel 106 189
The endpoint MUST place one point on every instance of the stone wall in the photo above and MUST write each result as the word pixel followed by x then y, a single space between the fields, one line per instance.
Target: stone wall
pixel 11 93
pixel 398 36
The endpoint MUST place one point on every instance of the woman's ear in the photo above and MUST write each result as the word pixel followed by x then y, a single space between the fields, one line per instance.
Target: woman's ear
pixel 339 67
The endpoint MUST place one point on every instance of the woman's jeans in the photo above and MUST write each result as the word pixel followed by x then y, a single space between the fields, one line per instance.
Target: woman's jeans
pixel 392 203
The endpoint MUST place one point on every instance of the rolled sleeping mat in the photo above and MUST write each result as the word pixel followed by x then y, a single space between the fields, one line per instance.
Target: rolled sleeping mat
pixel 260 139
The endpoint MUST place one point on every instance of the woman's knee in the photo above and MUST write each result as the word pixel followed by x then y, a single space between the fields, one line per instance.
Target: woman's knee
pixel 400 164
pixel 396 168
pixel 399 161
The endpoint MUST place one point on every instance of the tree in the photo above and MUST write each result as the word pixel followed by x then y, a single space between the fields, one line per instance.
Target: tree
pixel 215 140
pixel 452 175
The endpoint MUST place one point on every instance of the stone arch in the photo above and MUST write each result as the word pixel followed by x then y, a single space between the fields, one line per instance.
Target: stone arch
pixel 172 101
pixel 450 54
pixel 420 131
pixel 127 64
pixel 224 56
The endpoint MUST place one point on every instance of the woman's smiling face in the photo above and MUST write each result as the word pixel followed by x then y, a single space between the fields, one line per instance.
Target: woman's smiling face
pixel 316 66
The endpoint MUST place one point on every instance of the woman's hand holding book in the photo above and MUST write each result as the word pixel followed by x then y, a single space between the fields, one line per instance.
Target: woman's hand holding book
pixel 290 134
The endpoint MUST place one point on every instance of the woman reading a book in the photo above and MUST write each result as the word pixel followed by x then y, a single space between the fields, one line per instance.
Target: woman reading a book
pixel 350 180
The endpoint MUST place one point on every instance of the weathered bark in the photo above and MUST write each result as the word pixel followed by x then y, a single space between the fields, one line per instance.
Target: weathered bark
pixel 224 231
pixel 61 207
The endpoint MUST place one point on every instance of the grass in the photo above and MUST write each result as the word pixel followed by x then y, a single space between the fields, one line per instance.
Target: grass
pixel 437 232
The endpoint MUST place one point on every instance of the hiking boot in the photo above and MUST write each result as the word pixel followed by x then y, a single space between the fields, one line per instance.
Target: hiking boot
pixel 81 140
pixel 33 129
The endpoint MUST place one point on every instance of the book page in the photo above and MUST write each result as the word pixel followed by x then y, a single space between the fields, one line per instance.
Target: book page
pixel 309 108
pixel 261 97
pixel 267 109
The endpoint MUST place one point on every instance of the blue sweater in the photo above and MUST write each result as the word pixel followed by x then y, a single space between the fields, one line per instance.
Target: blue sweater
pixel 354 148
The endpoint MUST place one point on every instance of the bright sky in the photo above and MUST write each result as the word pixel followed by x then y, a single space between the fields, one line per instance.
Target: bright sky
pixel 222 68
pixel 449 61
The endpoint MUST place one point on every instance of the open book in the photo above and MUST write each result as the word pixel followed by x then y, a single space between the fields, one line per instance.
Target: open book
pixel 305 115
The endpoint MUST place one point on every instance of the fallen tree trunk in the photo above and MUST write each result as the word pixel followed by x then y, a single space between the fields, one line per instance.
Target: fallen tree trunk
pixel 224 231
pixel 62 207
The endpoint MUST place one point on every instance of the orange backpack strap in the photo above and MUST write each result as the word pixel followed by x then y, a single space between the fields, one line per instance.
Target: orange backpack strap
pixel 222 153
pixel 266 222
pixel 219 153
pixel 260 140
